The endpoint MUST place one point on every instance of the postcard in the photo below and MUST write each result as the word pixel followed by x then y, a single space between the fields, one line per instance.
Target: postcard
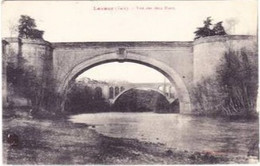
pixel 130 82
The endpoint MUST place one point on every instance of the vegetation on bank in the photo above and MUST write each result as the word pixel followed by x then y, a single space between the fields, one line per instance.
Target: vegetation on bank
pixel 233 91
pixel 80 98
pixel 207 30
pixel 23 83
pixel 138 100
pixel 34 92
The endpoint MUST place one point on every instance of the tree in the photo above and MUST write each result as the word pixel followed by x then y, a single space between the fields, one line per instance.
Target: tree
pixel 207 22
pixel 238 75
pixel 233 92
pixel 27 28
pixel 25 82
pixel 81 98
pixel 205 30
pixel 36 34
pixel 218 29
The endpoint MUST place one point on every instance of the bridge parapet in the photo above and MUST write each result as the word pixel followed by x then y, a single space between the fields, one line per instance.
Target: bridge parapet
pixel 183 63
pixel 111 91
pixel 116 91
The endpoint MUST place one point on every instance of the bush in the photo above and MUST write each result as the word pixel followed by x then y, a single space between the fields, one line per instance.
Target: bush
pixel 138 100
pixel 206 30
pixel 238 77
pixel 208 98
pixel 27 28
pixel 24 82
pixel 83 99
pixel 233 92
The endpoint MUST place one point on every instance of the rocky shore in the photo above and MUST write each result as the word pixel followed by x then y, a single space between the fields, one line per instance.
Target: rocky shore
pixel 62 142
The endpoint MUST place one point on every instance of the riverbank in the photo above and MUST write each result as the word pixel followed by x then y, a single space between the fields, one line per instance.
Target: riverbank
pixel 62 142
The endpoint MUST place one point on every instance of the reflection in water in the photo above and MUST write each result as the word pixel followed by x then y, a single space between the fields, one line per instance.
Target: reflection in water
pixel 176 130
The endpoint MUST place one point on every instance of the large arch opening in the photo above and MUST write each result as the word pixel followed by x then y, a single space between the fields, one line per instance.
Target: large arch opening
pixel 165 95
pixel 167 71
pixel 144 100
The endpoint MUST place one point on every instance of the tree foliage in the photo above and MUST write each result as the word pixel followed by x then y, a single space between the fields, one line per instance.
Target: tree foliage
pixel 138 100
pixel 24 81
pixel 234 89
pixel 80 98
pixel 238 77
pixel 218 29
pixel 206 30
pixel 27 28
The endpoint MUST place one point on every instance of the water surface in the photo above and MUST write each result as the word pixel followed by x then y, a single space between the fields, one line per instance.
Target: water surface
pixel 183 132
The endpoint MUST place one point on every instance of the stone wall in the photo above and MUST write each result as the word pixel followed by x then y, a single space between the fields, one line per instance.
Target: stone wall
pixel 173 59
pixel 4 78
pixel 208 52
pixel 184 63
pixel 35 56
pixel 36 53
pixel 177 55
pixel 13 50
pixel 208 56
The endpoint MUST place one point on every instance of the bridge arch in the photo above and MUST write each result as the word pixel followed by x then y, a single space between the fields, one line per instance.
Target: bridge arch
pixel 167 71
pixel 152 89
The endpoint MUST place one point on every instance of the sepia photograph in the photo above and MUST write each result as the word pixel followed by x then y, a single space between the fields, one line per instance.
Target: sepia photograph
pixel 129 82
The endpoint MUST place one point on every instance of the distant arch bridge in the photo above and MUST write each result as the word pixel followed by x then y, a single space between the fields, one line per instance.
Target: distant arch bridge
pixel 169 96
pixel 112 92
pixel 184 63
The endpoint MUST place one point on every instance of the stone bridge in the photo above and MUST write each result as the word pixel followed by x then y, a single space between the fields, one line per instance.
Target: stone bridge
pixel 183 63
pixel 112 91
pixel 168 96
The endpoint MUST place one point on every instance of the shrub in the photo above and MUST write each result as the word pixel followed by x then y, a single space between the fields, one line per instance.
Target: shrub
pixel 83 99
pixel 233 91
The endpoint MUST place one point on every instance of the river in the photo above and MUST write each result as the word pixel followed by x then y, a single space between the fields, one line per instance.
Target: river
pixel 183 132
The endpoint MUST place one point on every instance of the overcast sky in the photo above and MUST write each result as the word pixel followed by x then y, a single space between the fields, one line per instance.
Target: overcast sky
pixel 78 21
pixel 71 21
pixel 126 71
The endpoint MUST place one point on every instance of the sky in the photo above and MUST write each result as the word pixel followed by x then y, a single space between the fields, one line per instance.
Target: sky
pixel 126 71
pixel 81 21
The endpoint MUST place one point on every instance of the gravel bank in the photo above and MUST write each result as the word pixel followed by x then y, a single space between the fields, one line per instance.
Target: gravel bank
pixel 62 142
